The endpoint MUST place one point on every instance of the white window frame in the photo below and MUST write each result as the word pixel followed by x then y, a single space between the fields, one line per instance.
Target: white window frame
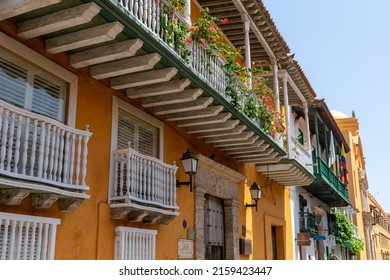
pixel 117 104
pixel 31 56
pixel 32 221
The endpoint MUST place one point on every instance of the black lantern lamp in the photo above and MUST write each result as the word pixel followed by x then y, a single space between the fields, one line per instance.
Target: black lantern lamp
pixel 190 165
pixel 255 191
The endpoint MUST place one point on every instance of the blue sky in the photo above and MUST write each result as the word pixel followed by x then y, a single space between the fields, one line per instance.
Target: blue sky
pixel 343 47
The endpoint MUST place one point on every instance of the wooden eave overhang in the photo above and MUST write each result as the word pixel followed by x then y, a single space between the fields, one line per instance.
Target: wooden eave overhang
pixel 319 106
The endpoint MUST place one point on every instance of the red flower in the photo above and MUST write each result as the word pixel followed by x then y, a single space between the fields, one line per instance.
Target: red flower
pixel 203 42
pixel 188 41
pixel 211 28
pixel 225 20
pixel 174 20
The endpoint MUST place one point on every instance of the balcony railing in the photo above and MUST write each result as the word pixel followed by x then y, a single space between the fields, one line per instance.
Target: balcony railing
pixel 210 67
pixel 143 180
pixel 299 153
pixel 151 13
pixel 324 171
pixel 42 150
pixel 307 223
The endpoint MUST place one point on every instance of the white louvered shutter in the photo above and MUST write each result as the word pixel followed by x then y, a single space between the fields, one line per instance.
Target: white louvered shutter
pixel 141 135
pixel 29 87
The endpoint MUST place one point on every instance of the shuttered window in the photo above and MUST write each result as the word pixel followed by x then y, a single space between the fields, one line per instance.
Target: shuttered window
pixel 31 88
pixel 141 135
pixel 25 237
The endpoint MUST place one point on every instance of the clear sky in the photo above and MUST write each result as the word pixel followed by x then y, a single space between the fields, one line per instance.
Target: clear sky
pixel 343 46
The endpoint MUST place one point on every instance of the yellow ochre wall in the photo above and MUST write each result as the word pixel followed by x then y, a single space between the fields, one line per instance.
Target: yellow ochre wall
pixel 88 232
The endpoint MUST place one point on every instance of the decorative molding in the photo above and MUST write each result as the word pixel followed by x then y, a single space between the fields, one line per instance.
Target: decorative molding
pixel 69 204
pixel 13 196
pixel 43 201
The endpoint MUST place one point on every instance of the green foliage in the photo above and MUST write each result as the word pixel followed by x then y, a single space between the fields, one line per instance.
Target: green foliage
pixel 345 230
pixel 356 245
pixel 255 101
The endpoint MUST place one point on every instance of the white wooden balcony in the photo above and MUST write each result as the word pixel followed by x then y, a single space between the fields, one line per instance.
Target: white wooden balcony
pixel 41 156
pixel 301 154
pixel 143 188
pixel 25 237
pixel 135 243
pixel 294 170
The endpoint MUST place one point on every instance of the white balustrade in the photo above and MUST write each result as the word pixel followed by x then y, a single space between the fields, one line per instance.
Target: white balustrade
pixel 143 179
pixel 299 153
pixel 25 237
pixel 135 243
pixel 151 12
pixel 42 150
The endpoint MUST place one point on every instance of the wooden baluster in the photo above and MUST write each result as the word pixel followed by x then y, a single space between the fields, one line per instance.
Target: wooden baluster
pixel 18 248
pixel 146 15
pixel 11 131
pixel 56 154
pixel 41 149
pixel 115 186
pixel 121 176
pixel 52 153
pixel 154 8
pixel 25 241
pixel 141 10
pixel 33 147
pixel 32 240
pixel 25 145
pixel 149 178
pixel 45 241
pixel 71 168
pixel 4 224
pixel 128 173
pixel 150 15
pixel 131 6
pixel 17 145
pixel 11 251
pixel 85 158
pixel 66 158
pixel 47 148
pixel 78 161
pixel 158 17
pixel 39 242
pixel 61 155
pixel 144 173
pixel 136 6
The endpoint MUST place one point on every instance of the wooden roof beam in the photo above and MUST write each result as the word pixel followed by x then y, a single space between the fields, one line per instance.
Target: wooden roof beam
pixel 58 21
pixel 124 66
pixel 87 37
pixel 220 118
pixel 213 127
pixel 173 98
pixel 199 103
pixel 11 8
pixel 105 53
pixel 202 113
pixel 143 78
pixel 236 130
pixel 158 89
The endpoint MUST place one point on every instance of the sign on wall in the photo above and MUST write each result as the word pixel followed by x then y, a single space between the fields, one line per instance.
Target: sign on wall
pixel 185 249
pixel 303 238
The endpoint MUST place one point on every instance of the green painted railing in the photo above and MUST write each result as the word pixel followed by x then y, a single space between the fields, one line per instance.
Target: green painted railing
pixel 307 223
pixel 324 172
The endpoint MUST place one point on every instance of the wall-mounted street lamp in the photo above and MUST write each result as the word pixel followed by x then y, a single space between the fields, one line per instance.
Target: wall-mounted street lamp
pixel 190 164
pixel 255 191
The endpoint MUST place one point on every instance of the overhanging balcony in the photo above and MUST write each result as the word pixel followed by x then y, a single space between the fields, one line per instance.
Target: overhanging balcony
pixel 294 170
pixel 143 188
pixel 327 186
pixel 307 223
pixel 41 157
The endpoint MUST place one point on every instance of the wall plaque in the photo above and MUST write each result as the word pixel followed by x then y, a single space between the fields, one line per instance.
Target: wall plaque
pixel 185 249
